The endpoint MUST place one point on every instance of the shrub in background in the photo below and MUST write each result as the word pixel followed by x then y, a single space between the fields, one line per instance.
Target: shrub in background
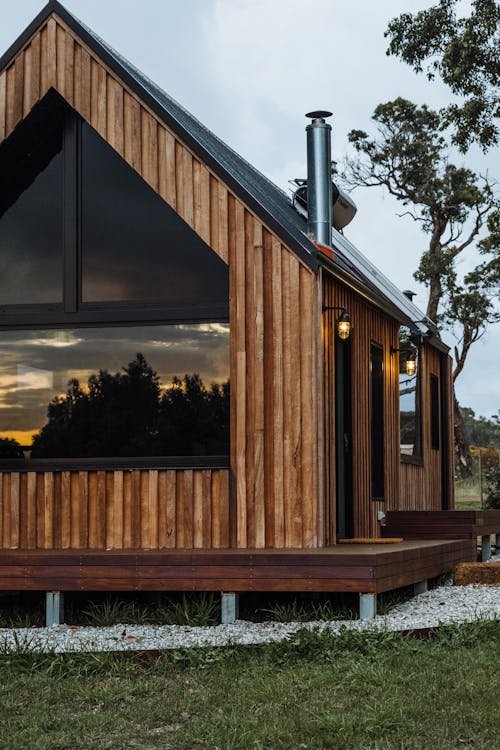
pixel 493 487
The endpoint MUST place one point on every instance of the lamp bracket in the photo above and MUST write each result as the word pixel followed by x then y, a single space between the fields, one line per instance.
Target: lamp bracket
pixel 325 308
pixel 404 349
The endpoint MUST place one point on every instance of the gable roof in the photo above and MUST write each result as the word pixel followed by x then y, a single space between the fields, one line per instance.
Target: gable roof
pixel 271 204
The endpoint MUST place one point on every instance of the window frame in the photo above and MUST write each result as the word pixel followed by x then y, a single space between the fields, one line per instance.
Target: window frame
pixel 417 458
pixel 73 310
pixel 435 412
pixel 73 313
pixel 377 426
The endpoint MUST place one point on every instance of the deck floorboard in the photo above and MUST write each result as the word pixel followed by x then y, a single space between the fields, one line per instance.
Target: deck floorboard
pixel 369 568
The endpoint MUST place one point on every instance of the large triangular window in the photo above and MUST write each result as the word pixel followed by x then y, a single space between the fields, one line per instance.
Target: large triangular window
pixel 114 335
pixel 134 246
pixel 81 229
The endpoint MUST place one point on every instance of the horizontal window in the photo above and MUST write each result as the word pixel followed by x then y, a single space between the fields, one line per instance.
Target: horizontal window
pixel 85 393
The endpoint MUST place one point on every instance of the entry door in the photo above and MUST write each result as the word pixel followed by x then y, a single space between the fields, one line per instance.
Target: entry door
pixel 343 439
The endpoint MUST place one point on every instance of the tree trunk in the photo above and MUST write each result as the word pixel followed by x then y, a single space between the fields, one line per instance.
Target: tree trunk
pixel 463 458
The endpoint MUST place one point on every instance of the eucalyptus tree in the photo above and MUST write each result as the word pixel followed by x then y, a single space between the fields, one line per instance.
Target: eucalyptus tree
pixel 463 50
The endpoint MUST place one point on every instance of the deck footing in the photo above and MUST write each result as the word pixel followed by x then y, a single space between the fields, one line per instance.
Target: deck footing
pixel 420 588
pixel 485 548
pixel 229 607
pixel 367 606
pixel 54 608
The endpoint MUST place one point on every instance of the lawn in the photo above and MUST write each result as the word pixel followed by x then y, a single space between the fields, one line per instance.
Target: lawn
pixel 359 691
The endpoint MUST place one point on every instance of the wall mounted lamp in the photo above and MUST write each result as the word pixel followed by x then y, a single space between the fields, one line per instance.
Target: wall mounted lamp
pixel 343 321
pixel 411 360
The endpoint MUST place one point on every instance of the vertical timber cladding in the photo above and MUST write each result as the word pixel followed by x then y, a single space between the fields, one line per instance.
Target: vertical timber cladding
pixel 421 486
pixel 147 509
pixel 274 315
pixel 368 325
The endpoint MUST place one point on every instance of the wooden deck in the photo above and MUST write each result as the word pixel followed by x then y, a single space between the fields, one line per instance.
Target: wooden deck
pixel 357 568
pixel 441 524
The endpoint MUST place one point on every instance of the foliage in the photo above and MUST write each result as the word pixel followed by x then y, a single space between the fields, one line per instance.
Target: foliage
pixel 10 448
pixel 481 431
pixel 197 610
pixel 129 414
pixel 311 611
pixel 382 691
pixel 464 53
pixel 493 487
pixel 113 611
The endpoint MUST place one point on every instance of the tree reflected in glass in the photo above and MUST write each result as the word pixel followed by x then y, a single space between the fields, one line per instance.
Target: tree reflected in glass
pixel 130 413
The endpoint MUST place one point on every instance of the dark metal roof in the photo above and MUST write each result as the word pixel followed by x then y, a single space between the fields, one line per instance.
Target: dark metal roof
pixel 268 201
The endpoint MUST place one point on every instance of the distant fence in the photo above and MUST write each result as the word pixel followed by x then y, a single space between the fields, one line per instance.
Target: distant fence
pixel 472 492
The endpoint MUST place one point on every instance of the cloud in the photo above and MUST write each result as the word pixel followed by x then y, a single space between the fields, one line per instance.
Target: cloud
pixel 172 350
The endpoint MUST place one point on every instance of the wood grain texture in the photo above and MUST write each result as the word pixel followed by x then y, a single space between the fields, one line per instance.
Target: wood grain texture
pixel 354 568
pixel 369 325
pixel 99 510
pixel 421 487
pixel 407 486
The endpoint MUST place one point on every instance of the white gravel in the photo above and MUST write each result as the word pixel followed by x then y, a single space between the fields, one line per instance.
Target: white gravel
pixel 443 605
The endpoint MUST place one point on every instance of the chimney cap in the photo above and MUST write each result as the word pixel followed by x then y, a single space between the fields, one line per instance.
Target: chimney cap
pixel 319 114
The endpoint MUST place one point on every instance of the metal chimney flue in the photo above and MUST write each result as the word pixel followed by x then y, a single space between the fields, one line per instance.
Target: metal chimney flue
pixel 319 178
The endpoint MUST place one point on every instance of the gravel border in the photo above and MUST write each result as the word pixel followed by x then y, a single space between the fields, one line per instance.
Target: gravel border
pixel 443 605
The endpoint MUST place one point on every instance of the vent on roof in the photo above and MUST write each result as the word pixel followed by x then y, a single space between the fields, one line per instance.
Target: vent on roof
pixel 343 207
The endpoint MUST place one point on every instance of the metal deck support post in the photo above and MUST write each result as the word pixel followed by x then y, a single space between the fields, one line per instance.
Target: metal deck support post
pixel 420 587
pixel 54 608
pixel 229 607
pixel 497 544
pixel 367 606
pixel 485 548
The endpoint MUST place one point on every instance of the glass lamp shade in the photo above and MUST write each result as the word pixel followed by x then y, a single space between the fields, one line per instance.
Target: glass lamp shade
pixel 344 326
pixel 411 365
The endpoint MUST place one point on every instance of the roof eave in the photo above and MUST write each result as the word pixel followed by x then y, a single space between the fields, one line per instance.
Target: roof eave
pixel 374 297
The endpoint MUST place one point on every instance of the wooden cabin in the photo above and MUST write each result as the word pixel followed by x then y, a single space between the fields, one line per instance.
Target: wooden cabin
pixel 145 266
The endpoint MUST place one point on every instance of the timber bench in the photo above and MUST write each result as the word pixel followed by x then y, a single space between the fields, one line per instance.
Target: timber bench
pixel 364 569
pixel 446 524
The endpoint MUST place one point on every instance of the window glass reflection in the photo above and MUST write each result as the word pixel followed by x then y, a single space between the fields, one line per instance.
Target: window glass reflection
pixel 31 210
pixel 134 246
pixel 409 427
pixel 131 391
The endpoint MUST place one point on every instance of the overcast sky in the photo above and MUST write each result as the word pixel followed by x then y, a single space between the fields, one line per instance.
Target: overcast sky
pixel 251 69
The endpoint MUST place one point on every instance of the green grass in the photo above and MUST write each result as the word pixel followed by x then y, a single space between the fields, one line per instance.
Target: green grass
pixel 467 495
pixel 26 609
pixel 351 692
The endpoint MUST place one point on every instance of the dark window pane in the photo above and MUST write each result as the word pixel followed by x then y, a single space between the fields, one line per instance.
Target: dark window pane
pixel 377 426
pixel 134 246
pixel 31 209
pixel 118 392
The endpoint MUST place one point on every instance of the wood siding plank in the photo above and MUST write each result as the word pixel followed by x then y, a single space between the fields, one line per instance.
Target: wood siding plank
pixel 149 141
pixel 132 131
pixel 115 116
pixel 3 105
